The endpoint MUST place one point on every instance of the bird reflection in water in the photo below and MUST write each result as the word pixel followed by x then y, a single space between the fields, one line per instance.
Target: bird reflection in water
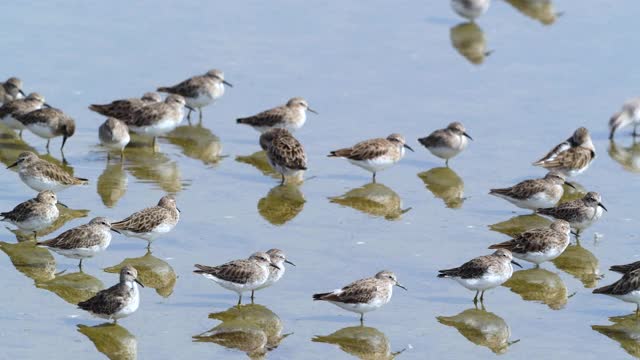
pixel 34 262
pixel 482 328
pixel 468 39
pixel 628 157
pixel 281 204
pixel 252 329
pixel 581 264
pixel 114 341
pixel 539 285
pixel 625 330
pixel 541 10
pixel 197 142
pixel 361 341
pixel 153 272
pixel 112 183
pixel 153 167
pixel 445 184
pixel 259 161
pixel 72 287
pixel 519 224
pixel 374 199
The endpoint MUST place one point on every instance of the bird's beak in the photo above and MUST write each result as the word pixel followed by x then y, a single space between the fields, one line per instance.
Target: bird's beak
pixel 401 287
pixel 177 208
pixel 12 165
pixel 227 83
pixel 22 93
pixel 602 206
pixel 468 136
pixel 574 233
pixel 46 105
pixel 63 205
pixel 313 111
pixel 569 184
pixel 115 231
pixel 516 264
pixel 274 265
pixel 408 147
pixel 289 262
pixel 139 283
pixel 64 141
pixel 190 108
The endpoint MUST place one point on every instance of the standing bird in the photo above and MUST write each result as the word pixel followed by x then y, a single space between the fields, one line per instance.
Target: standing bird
pixel 40 174
pixel 535 193
pixel 447 143
pixel 82 242
pixel 290 116
pixel 278 258
pixel 9 112
pixel 626 289
pixel 114 135
pixel 48 123
pixel 118 301
pixel 483 273
pixel 284 153
pixel 364 295
pixel 580 213
pixel 539 245
pixel 149 223
pixel 123 109
pixel 200 91
pixel 11 90
pixel 628 115
pixel 571 157
pixel 35 214
pixel 240 276
pixel 470 9
pixel 158 119
pixel 375 154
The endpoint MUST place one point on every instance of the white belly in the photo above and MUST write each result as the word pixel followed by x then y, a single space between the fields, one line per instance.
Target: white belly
pixel 374 165
pixel 159 128
pixel 117 144
pixel 541 256
pixel 37 223
pixel 81 253
pixel 362 308
pixel 597 213
pixel 203 99
pixel 42 183
pixel 41 130
pixel 477 8
pixel 486 282
pixel 537 201
pixel 632 297
pixel 273 277
pixel 236 287
pixel 444 152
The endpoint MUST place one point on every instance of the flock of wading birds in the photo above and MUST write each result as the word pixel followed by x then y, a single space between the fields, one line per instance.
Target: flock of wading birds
pixel 153 117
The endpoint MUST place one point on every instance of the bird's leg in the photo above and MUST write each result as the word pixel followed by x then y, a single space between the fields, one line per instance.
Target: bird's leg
pixel 446 163
pixel 475 298
pixel 35 236
pixel 48 141
pixel 635 128
pixel 108 156
pixel 200 111
pixel 240 300
pixel 252 293
pixel 115 321
pixel 361 318
pixel 374 177
pixel 282 182
pixel 80 265
pixel 148 245
pixel 121 155
pixel 20 134
pixel 189 116
pixel 482 297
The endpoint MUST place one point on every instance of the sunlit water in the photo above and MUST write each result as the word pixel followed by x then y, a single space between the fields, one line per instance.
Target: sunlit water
pixel 370 69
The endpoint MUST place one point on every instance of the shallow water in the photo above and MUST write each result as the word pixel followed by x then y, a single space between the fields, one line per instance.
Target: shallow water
pixel 370 69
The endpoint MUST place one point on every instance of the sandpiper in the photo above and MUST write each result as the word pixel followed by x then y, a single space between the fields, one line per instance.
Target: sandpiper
pixel 149 223
pixel 290 116
pixel 539 245
pixel 41 175
pixel 623 269
pixel 626 289
pixel 375 154
pixel 158 118
pixel 571 157
pixel 470 9
pixel 9 112
pixel 118 301
pixel 628 115
pixel 284 153
pixel 82 242
pixel 447 143
pixel 483 273
pixel 114 135
pixel 580 213
pixel 200 91
pixel 278 258
pixel 35 214
pixel 11 90
pixel 364 295
pixel 535 193
pixel 48 123
pixel 240 275
pixel 123 109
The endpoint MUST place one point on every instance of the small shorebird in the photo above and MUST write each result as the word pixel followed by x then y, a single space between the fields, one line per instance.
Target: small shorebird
pixel 35 214
pixel 82 242
pixel 628 115
pixel 278 258
pixel 114 135
pixel 364 295
pixel 626 289
pixel 375 154
pixel 200 91
pixel 149 223
pixel 539 245
pixel 290 116
pixel 48 123
pixel 123 109
pixel 535 193
pixel 571 157
pixel 447 143
pixel 9 112
pixel 118 301
pixel 158 118
pixel 580 213
pixel 623 269
pixel 470 9
pixel 240 276
pixel 41 175
pixel 483 273
pixel 11 90
pixel 284 152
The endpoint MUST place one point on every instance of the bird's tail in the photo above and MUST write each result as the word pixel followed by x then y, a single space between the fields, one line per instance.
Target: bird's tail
pixel 320 296
pixel 164 89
